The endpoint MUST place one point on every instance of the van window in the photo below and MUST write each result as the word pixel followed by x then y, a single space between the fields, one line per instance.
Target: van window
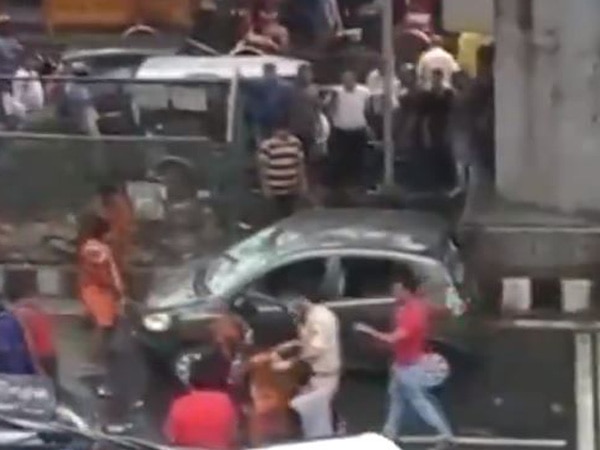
pixel 183 110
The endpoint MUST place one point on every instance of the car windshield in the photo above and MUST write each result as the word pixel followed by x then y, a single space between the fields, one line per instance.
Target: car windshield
pixel 247 257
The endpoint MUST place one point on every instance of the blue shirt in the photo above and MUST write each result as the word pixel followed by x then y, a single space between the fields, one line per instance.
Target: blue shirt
pixel 269 101
pixel 15 358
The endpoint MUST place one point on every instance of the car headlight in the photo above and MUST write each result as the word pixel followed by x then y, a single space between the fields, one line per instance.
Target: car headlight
pixel 157 322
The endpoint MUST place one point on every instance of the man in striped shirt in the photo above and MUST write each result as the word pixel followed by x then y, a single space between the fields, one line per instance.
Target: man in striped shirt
pixel 282 171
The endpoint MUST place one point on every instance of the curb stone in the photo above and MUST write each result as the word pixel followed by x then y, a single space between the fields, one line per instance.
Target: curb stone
pixel 59 283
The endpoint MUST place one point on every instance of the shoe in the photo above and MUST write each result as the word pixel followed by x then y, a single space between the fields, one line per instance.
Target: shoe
pixel 103 391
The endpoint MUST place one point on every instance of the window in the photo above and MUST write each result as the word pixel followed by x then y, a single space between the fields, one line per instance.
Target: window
pixel 374 277
pixel 370 277
pixel 294 278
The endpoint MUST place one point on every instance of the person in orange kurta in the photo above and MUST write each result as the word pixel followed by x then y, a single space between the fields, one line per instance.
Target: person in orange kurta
pixel 100 284
pixel 115 207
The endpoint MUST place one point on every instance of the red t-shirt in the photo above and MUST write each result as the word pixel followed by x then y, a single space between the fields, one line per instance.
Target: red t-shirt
pixel 38 325
pixel 413 318
pixel 204 419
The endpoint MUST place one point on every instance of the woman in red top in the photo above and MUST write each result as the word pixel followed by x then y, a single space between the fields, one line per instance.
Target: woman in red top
pixel 205 417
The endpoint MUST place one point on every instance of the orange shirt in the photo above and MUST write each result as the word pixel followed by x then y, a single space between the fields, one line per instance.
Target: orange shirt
pixel 100 284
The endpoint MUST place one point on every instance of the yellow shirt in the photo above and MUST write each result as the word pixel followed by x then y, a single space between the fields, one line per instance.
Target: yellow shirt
pixel 468 45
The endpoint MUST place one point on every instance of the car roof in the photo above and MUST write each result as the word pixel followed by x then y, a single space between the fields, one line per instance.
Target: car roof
pixel 75 54
pixel 404 231
pixel 220 67
pixel 371 441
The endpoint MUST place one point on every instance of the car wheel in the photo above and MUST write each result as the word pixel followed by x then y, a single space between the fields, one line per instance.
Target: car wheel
pixel 184 360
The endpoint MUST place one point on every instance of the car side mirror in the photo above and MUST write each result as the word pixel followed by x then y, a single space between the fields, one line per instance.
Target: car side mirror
pixel 244 307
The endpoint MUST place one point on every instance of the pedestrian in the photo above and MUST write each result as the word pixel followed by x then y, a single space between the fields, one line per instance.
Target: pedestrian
pixel 376 84
pixel 349 136
pixel 27 89
pixel 319 344
pixel 435 107
pixel 114 205
pixel 408 340
pixel 100 286
pixel 282 171
pixel 206 416
pixel 15 355
pixel 436 58
pixel 305 119
pixel 37 323
pixel 10 54
pixel 270 420
pixel 77 106
pixel 269 101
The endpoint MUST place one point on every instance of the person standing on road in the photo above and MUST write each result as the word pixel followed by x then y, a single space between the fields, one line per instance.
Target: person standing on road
pixel 36 322
pixel 114 205
pixel 319 344
pixel 436 58
pixel 100 286
pixel 282 171
pixel 269 101
pixel 407 379
pixel 349 137
pixel 206 416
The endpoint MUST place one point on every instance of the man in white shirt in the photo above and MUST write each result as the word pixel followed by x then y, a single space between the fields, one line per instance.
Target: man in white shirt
pixel 436 58
pixel 349 137
pixel 27 87
pixel 375 83
pixel 319 343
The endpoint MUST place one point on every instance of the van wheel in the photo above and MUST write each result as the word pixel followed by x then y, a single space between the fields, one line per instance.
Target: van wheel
pixel 178 181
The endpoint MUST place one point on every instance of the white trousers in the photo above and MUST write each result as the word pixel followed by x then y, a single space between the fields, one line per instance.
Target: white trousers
pixel 314 406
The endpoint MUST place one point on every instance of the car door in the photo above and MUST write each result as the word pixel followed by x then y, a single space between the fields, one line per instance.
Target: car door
pixel 365 297
pixel 266 297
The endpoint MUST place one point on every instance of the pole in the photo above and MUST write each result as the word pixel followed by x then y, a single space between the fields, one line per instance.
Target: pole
pixel 387 51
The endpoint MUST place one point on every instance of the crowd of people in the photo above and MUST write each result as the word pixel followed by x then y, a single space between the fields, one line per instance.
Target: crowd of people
pixel 309 136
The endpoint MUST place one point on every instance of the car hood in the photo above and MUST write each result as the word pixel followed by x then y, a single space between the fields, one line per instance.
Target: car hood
pixel 178 287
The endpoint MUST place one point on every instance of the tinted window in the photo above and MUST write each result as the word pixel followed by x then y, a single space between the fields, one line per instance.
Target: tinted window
pixel 371 277
pixel 374 277
pixel 294 278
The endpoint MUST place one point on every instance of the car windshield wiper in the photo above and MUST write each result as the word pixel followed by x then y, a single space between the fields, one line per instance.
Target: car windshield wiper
pixel 88 434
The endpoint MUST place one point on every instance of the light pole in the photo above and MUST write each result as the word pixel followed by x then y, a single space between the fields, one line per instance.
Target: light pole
pixel 388 55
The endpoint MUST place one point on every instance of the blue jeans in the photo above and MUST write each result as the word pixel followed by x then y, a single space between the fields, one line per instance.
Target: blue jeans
pixel 406 386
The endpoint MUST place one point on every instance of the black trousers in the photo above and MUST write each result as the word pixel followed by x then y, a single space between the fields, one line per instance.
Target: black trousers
pixel 347 157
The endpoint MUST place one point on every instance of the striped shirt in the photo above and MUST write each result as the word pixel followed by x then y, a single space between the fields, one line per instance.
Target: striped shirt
pixel 281 160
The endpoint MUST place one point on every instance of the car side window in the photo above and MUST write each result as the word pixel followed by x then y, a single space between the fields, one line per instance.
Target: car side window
pixel 293 278
pixel 369 277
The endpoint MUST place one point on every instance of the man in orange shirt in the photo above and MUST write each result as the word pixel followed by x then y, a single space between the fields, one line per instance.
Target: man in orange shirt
pixel 100 284
pixel 114 205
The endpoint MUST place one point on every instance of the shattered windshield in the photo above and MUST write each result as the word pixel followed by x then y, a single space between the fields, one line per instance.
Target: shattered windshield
pixel 247 257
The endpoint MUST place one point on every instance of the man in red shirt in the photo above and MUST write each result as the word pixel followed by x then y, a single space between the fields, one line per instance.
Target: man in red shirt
pixel 206 416
pixel 407 379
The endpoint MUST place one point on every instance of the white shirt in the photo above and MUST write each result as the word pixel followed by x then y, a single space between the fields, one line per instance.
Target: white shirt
pixel 436 58
pixel 375 84
pixel 28 93
pixel 349 112
pixel 320 340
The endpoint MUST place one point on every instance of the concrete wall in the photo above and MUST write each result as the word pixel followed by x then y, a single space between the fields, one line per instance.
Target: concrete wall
pixel 548 102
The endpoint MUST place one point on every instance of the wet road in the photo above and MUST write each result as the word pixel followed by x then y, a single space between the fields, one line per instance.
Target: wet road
pixel 362 399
